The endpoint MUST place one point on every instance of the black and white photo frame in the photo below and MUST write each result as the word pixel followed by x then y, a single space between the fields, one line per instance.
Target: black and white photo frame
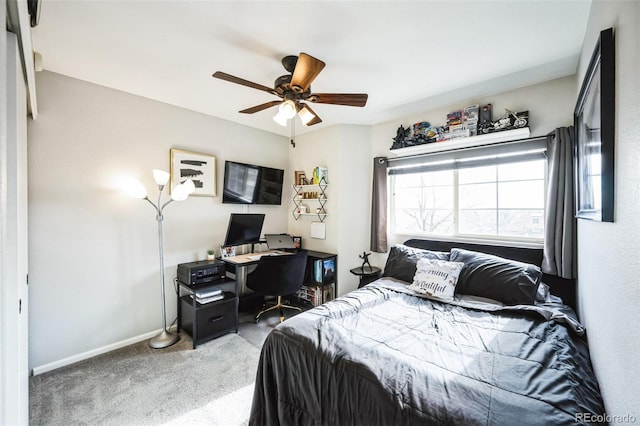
pixel 594 120
pixel 200 168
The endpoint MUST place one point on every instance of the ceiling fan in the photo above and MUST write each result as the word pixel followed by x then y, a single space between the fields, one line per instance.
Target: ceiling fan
pixel 294 89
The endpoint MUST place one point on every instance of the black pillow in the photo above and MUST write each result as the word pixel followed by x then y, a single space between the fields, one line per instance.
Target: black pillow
pixel 402 261
pixel 504 280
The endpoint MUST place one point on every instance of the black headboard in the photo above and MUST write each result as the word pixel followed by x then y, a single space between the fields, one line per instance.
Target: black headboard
pixel 561 287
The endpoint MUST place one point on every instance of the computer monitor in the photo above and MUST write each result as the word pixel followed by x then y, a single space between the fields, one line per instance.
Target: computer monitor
pixel 244 228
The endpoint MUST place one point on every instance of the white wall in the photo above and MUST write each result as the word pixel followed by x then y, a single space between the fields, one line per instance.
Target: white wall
pixel 93 252
pixel 348 152
pixel 345 151
pixel 550 105
pixel 608 262
pixel 356 165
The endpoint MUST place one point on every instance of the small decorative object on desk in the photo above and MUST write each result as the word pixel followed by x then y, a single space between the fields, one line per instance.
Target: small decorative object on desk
pixel 297 242
pixel 227 251
pixel 211 255
pixel 365 260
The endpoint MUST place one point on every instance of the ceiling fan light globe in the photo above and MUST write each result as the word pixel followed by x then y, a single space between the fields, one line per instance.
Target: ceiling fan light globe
pixel 278 118
pixel 305 115
pixel 287 109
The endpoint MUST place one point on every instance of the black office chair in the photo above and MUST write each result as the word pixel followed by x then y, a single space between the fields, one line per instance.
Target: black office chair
pixel 279 275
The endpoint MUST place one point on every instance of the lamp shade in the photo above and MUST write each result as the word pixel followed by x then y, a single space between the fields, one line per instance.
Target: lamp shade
pixel 161 177
pixel 134 189
pixel 189 186
pixel 181 192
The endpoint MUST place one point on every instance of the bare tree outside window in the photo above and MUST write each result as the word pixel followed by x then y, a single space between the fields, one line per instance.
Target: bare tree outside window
pixel 427 203
pixel 505 201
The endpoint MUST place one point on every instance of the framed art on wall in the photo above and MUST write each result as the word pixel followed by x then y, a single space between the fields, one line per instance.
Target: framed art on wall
pixel 594 120
pixel 200 168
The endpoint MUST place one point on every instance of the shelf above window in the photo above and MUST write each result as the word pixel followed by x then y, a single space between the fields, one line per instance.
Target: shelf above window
pixel 486 139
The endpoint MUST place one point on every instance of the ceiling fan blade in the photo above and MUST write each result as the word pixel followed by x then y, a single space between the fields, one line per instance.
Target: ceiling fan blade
pixel 308 116
pixel 307 69
pixel 241 81
pixel 348 99
pixel 260 107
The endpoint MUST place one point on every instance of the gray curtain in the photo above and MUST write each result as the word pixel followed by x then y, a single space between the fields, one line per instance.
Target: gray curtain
pixel 379 206
pixel 559 210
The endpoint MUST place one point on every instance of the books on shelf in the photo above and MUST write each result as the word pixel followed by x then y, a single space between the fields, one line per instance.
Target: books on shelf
pixel 324 271
pixel 317 271
pixel 315 295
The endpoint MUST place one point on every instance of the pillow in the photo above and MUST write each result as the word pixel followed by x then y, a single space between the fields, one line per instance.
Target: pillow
pixel 436 278
pixel 402 260
pixel 486 275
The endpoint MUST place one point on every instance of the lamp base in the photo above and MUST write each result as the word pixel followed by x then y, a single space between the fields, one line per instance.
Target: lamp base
pixel 163 340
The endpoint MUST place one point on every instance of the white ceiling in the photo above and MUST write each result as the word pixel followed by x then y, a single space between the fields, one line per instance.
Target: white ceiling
pixel 409 56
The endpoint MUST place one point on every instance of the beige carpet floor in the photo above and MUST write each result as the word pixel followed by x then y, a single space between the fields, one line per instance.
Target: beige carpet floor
pixel 138 385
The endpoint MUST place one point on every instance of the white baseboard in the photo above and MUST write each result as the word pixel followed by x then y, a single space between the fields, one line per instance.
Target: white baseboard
pixel 94 352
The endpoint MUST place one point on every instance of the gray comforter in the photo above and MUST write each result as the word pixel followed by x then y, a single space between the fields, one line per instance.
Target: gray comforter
pixel 382 356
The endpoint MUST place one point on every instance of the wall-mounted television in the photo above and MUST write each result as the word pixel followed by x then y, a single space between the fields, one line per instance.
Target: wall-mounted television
pixel 244 228
pixel 251 184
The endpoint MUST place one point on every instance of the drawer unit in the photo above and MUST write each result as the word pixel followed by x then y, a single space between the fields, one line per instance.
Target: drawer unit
pixel 206 321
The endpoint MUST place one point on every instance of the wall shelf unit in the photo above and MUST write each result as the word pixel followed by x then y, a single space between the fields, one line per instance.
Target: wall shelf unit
pixel 310 194
pixel 486 139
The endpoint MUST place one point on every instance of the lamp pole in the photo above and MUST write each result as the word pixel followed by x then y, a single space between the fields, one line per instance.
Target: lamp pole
pixel 180 192
pixel 165 338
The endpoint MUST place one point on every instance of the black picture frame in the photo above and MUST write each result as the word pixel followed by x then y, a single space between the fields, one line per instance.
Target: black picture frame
pixel 594 121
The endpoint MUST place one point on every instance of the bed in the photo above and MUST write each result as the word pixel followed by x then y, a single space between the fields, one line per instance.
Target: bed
pixel 405 351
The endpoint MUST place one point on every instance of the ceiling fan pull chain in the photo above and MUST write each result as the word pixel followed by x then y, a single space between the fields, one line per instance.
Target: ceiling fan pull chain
pixel 293 133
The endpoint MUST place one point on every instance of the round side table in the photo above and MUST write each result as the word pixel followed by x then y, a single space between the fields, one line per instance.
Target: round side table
pixel 367 274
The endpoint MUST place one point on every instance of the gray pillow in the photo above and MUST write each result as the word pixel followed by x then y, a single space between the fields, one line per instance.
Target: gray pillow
pixel 486 275
pixel 402 261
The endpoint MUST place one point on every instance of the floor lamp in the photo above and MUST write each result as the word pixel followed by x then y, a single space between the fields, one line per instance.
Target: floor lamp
pixel 179 193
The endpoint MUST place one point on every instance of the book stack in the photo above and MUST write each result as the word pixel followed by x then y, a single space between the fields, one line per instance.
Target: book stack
pixel 456 126
pixel 208 295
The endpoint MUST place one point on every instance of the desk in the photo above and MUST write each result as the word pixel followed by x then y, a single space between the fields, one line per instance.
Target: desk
pixel 240 265
pixel 326 274
pixel 250 258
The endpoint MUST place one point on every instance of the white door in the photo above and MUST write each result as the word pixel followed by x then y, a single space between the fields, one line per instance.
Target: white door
pixel 14 359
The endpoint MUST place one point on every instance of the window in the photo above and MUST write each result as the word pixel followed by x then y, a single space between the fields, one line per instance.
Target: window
pixel 470 196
